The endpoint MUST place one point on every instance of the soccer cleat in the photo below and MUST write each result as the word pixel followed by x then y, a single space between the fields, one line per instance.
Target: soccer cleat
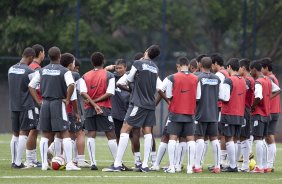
pixel 71 167
pixel 12 165
pixel 216 170
pixel 258 170
pixel 21 166
pixel 268 170
pixel 197 170
pixel 189 171
pixel 144 169
pixel 170 170
pixel 178 169
pixel 230 169
pixel 244 170
pixel 124 168
pixel 33 164
pixel 94 168
pixel 210 168
pixel 83 164
pixel 112 168
pixel 155 168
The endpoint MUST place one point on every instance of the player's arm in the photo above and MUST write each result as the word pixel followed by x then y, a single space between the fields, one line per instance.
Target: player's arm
pixel 275 90
pixel 164 90
pixel 225 91
pixel 123 83
pixel 199 91
pixel 70 86
pixel 258 95
pixel 161 93
pixel 110 67
pixel 110 91
pixel 32 87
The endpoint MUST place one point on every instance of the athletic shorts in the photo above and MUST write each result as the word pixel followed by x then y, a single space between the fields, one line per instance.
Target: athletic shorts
pixel 206 128
pixel 99 123
pixel 53 116
pixel 23 120
pixel 230 130
pixel 118 126
pixel 272 126
pixel 139 117
pixel 165 133
pixel 246 127
pixel 74 125
pixel 181 129
pixel 260 128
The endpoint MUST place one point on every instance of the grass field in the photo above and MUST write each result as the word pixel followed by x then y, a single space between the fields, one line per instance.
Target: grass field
pixel 35 175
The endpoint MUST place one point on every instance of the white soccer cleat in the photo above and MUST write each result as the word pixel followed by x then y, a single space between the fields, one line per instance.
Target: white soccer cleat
pixel 45 167
pixel 178 169
pixel 83 164
pixel 71 167
pixel 189 171
pixel 155 168
pixel 170 169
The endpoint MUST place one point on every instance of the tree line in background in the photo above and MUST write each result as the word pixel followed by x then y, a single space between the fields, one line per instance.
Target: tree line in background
pixel 122 28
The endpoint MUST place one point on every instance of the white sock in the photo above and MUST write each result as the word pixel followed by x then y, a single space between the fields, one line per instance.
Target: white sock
pixel 74 149
pixel 259 153
pixel 238 151
pixel 191 154
pixel 67 145
pixel 13 146
pixel 181 153
pixel 223 157
pixel 171 152
pixel 245 147
pixel 147 149
pixel 160 154
pixel 34 155
pixel 58 146
pixel 21 148
pixel 113 147
pixel 200 148
pixel 29 156
pixel 44 150
pixel 51 148
pixel 91 150
pixel 80 158
pixel 216 152
pixel 265 155
pixel 251 141
pixel 123 141
pixel 137 158
pixel 153 157
pixel 271 155
pixel 205 152
pixel 230 148
pixel 175 155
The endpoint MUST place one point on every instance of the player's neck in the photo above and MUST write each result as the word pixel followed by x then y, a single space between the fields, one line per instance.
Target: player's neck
pixel 98 67
pixel 205 70
pixel 233 73
pixel 55 62
pixel 24 61
pixel 37 60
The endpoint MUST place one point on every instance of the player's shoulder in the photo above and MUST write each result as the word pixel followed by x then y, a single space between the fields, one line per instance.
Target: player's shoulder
pixel 110 74
pixel 76 75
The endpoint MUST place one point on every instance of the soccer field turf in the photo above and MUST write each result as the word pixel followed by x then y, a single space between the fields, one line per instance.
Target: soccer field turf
pixel 35 175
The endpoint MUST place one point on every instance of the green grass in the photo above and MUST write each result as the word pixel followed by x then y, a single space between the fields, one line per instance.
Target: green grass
pixel 35 175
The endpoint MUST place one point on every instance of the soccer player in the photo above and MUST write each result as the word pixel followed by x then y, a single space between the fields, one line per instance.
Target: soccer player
pixel 56 87
pixel 265 90
pixel 245 146
pixel 206 117
pixel 21 106
pixel 233 107
pixel 181 88
pixel 275 110
pixel 31 154
pixel 98 86
pixel 141 112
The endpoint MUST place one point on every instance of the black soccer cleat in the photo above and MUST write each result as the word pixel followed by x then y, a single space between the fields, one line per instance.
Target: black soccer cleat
pixel 94 168
pixel 124 168
pixel 144 169
pixel 22 166
pixel 229 169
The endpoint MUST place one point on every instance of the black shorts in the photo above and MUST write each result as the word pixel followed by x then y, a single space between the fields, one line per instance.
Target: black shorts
pixel 181 129
pixel 230 130
pixel 206 128
pixel 23 120
pixel 260 128
pixel 99 123
pixel 53 116
pixel 118 126
pixel 272 126
pixel 246 127
pixel 139 117
pixel 74 125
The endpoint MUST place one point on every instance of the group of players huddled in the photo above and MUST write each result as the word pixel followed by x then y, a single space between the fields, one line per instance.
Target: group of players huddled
pixel 231 106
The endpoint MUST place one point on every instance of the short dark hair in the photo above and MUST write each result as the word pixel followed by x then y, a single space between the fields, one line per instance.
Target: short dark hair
pixel 245 63
pixel 182 61
pixel 194 63
pixel 199 57
pixel 37 48
pixel 266 62
pixel 54 53
pixel 256 65
pixel 28 52
pixel 153 51
pixel 97 59
pixel 121 62
pixel 138 55
pixel 77 62
pixel 206 62
pixel 66 59
pixel 234 64
pixel 217 58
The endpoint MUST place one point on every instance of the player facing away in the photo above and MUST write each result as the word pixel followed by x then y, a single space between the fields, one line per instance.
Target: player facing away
pixel 141 111
pixel 183 89
pixel 97 86
pixel 31 153
pixel 265 90
pixel 56 87
pixel 245 147
pixel 275 110
pixel 21 106
pixel 233 96
pixel 206 118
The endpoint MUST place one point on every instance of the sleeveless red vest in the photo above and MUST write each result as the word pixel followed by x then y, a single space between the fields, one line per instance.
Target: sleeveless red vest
pixel 263 108
pixel 275 102
pixel 236 104
pixel 96 82
pixel 250 92
pixel 184 94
